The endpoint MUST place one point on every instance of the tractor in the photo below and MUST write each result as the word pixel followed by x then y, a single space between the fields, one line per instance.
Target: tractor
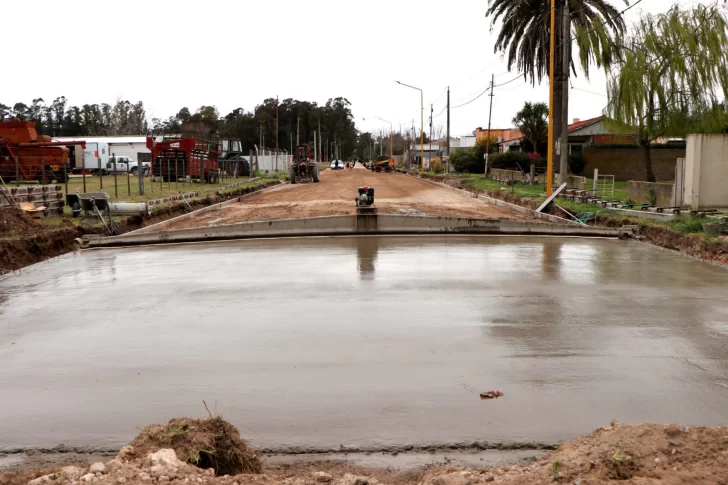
pixel 383 163
pixel 304 167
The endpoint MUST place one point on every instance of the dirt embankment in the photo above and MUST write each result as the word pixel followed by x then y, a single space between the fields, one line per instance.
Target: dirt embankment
pixel 211 451
pixel 715 251
pixel 23 241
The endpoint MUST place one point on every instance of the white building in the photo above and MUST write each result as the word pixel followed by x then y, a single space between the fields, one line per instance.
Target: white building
pixel 127 146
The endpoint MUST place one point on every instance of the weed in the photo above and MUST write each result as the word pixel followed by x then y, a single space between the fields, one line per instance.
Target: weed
pixel 653 197
pixel 175 430
pixel 687 224
pixel 613 423
pixel 555 466
pixel 618 455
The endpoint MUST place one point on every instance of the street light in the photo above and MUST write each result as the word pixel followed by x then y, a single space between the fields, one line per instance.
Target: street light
pixel 390 136
pixel 422 125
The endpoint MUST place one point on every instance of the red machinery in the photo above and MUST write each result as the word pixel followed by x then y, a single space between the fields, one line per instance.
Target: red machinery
pixel 304 166
pixel 175 158
pixel 37 155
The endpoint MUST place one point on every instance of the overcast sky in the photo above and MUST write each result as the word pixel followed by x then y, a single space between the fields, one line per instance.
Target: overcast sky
pixel 171 54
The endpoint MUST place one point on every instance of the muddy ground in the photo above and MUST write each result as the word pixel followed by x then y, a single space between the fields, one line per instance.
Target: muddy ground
pixel 334 195
pixel 25 241
pixel 638 454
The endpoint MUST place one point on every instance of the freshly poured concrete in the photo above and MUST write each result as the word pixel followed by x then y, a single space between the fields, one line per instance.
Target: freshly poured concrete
pixel 363 342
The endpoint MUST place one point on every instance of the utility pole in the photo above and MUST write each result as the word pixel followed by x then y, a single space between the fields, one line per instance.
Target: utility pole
pixel 319 137
pixel 448 129
pixel 490 116
pixel 298 128
pixel 566 43
pixel 550 166
pixel 276 133
pixel 429 152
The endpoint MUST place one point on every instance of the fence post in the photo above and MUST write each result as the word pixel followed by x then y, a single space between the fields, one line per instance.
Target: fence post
pixel 532 174
pixel 169 179
pixel 43 180
pixel 101 177
pixel 128 183
pixel 65 175
pixel 140 168
pixel 116 179
pixel 17 172
pixel 595 187
pixel 176 174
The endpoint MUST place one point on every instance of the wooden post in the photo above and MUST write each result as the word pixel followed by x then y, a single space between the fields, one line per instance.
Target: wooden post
pixel 532 174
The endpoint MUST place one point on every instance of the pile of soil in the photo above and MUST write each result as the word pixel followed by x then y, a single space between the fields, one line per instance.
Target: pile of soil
pixel 206 443
pixel 15 224
pixel 632 454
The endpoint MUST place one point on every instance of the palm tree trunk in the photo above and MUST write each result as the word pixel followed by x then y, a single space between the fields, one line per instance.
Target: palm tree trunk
pixel 558 87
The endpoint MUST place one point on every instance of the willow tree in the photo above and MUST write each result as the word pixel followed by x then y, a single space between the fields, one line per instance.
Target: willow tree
pixel 525 31
pixel 671 77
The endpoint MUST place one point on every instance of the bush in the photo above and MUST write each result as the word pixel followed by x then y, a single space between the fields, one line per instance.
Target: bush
pixel 516 161
pixel 577 163
pixel 467 161
pixel 436 165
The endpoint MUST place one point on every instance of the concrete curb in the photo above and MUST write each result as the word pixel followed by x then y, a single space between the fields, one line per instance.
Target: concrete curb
pixel 189 195
pixel 500 203
pixel 190 215
pixel 349 226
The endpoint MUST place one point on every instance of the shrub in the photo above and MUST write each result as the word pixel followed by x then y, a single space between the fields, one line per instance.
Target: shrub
pixel 577 163
pixel 514 160
pixel 436 165
pixel 467 161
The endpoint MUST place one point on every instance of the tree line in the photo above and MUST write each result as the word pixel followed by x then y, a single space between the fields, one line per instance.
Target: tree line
pixel 296 122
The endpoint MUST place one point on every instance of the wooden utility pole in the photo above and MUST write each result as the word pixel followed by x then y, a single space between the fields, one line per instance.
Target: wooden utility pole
pixel 429 152
pixel 566 43
pixel 276 133
pixel 319 137
pixel 298 128
pixel 490 116
pixel 448 129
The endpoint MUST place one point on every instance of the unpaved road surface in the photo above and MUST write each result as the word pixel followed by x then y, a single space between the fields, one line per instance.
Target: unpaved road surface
pixel 334 196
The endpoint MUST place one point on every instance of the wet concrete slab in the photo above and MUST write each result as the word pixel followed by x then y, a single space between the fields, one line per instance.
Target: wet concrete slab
pixel 311 344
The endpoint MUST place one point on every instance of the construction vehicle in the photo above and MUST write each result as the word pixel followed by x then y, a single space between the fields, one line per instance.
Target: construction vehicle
pixel 38 158
pixel 383 164
pixel 365 201
pixel 304 166
pixel 175 158
pixel 231 158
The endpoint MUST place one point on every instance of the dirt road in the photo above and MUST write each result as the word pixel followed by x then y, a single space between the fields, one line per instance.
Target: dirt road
pixel 334 195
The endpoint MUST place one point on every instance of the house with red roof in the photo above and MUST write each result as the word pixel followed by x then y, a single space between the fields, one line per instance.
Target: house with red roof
pixel 582 133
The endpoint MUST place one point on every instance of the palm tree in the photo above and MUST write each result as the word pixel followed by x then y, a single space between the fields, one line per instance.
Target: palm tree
pixel 525 36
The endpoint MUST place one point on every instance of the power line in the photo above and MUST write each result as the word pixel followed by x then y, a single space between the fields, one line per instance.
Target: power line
pixel 478 96
pixel 590 92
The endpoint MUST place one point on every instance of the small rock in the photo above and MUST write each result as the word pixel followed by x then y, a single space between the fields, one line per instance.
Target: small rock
pixel 125 453
pixel 322 477
pixel 210 471
pixel 146 478
pixel 42 480
pixel 657 460
pixel 88 477
pixel 165 457
pixel 121 480
pixel 674 450
pixel 97 467
pixel 113 465
pixel 489 478
pixel 164 478
pixel 72 472
pixel 158 470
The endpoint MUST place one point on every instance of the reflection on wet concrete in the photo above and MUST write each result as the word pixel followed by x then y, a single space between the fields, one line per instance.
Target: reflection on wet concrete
pixel 363 341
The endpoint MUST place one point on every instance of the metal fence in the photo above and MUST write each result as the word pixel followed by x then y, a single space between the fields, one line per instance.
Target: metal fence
pixel 268 160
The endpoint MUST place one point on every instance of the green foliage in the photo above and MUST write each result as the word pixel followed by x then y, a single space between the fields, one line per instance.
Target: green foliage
pixel 481 145
pixel 577 163
pixel 672 76
pixel 532 120
pixel 515 161
pixel 467 161
pixel 688 224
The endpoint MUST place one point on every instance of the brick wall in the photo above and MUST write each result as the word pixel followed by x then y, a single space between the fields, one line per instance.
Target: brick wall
pixel 626 164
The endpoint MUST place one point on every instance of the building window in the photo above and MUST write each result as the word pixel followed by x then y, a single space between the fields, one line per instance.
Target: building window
pixel 574 149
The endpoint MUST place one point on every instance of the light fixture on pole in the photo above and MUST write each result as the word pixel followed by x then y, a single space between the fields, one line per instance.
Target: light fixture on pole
pixel 422 125
pixel 391 155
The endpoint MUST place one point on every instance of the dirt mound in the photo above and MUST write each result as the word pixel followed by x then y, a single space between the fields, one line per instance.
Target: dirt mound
pixel 205 443
pixel 644 454
pixel 13 223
